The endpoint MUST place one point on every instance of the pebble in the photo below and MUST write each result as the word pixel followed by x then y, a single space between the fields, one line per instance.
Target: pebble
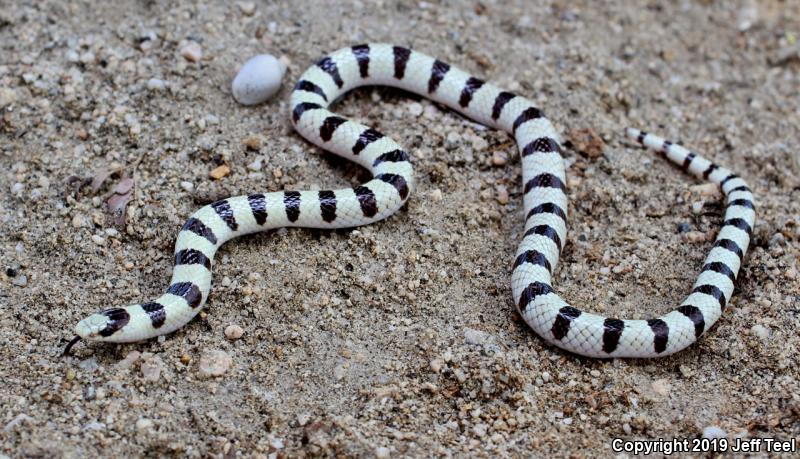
pixel 143 424
pixel 154 84
pixel 499 158
pixel 661 387
pixel 247 8
pixel 436 195
pixel 711 432
pixel 694 236
pixel 233 332
pixel 187 186
pixel 415 108
pixel 151 369
pixel 214 362
pixel 697 207
pixel 7 97
pixel 706 189
pixel 219 172
pixel 20 281
pixel 472 336
pixel 382 452
pixel 760 331
pixel 684 227
pixel 256 165
pixel 192 51
pixel 129 360
pixel 258 80
pixel 436 365
pixel 97 239
pixel 501 194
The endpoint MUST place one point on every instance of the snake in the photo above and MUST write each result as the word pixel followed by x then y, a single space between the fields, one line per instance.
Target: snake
pixel 544 200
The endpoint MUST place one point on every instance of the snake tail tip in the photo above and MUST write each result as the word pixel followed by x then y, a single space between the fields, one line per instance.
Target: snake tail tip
pixel 71 343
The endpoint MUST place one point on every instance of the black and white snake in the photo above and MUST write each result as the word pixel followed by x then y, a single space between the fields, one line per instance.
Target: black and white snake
pixel 545 202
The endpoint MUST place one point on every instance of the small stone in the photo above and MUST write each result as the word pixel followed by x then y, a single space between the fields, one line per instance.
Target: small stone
pixel 501 194
pixel 214 362
pixel 79 221
pixel 252 142
pixel 7 97
pixel 219 172
pixel 258 80
pixel 479 143
pixel 748 15
pixel 706 189
pixel 129 360
pixel 247 8
pixel 694 236
pixel 661 387
pixel 415 108
pixel 187 186
pixel 499 158
pixel 303 418
pixel 436 365
pixel 436 195
pixel 684 228
pixel 712 432
pixel 382 452
pixel 697 207
pixel 151 369
pixel 233 332
pixel 760 331
pixel 97 239
pixel 154 84
pixel 192 51
pixel 791 273
pixel 472 336
pixel 20 281
pixel 143 424
pixel 206 143
pixel 255 166
pixel 185 359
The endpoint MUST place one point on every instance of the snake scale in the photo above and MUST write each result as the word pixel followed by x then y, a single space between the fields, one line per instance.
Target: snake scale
pixel 545 210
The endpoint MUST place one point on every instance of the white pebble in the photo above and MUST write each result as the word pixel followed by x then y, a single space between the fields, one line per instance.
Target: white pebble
pixel 154 84
pixel 258 80
pixel 214 363
pixel 187 186
pixel 7 97
pixel 151 369
pixel 192 51
pixel 711 432
pixel 382 452
pixel 233 332
pixel 472 336
pixel 143 424
pixel 760 331
pixel 20 281
pixel 415 108
pixel 97 239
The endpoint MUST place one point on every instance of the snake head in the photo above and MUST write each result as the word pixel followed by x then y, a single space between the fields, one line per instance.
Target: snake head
pixel 102 324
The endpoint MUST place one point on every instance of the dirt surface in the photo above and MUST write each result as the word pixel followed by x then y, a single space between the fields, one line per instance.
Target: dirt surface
pixel 397 339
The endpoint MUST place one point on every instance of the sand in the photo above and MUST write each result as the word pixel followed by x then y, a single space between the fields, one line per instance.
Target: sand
pixel 399 339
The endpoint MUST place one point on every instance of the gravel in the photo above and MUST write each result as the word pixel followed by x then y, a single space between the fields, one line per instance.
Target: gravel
pixel 366 330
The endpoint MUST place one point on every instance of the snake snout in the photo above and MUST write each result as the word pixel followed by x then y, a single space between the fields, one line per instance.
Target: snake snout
pixel 90 327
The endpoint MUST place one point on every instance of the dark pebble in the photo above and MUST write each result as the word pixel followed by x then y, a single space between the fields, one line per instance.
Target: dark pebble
pixel 684 227
pixel 11 272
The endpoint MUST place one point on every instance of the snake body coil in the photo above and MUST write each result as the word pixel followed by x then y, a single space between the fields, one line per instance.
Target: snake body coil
pixel 545 205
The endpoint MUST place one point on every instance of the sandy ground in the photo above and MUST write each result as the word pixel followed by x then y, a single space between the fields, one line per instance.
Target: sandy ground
pixel 397 339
